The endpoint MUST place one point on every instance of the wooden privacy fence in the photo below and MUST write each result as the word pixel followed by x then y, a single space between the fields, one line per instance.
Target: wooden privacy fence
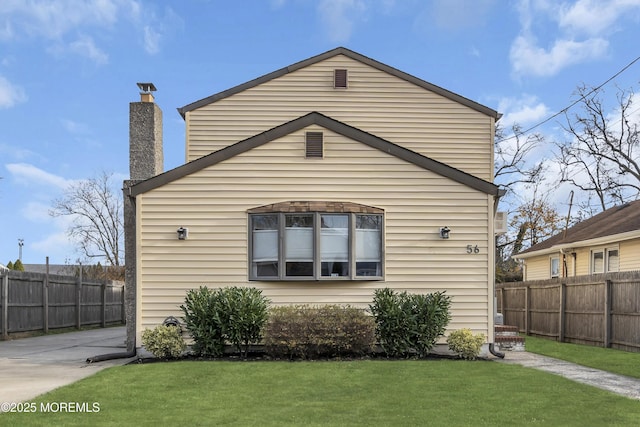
pixel 36 301
pixel 602 309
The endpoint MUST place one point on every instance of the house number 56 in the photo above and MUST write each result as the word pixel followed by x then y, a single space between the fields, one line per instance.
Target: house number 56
pixel 473 249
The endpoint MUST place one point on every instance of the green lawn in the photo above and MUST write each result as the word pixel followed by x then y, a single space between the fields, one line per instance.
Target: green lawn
pixel 607 359
pixel 336 393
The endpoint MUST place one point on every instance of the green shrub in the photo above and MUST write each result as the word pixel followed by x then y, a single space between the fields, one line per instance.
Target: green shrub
pixel 409 324
pixel 311 332
pixel 164 342
pixel 201 318
pixel 233 314
pixel 465 344
pixel 242 313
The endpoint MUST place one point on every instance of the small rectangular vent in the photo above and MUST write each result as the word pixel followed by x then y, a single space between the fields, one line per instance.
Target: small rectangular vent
pixel 340 78
pixel 314 144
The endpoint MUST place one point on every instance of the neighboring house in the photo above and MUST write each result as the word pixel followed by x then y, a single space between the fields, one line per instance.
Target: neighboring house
pixel 607 242
pixel 318 184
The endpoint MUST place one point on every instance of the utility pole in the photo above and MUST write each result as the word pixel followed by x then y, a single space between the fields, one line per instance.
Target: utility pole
pixel 20 245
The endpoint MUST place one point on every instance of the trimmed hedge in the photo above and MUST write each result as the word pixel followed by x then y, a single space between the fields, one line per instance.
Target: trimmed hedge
pixel 316 332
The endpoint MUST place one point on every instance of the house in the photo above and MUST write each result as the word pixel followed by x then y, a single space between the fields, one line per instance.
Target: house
pixel 607 242
pixel 318 184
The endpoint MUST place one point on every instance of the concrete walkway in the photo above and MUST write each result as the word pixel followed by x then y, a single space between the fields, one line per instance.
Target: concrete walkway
pixel 33 366
pixel 619 384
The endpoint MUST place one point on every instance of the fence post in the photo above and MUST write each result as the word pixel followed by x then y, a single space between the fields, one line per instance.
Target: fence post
pixel 79 299
pixel 103 315
pixel 45 300
pixel 123 313
pixel 607 314
pixel 5 306
pixel 562 315
pixel 527 309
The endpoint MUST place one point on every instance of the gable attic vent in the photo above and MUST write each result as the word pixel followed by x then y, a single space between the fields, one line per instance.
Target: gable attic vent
pixel 340 78
pixel 314 144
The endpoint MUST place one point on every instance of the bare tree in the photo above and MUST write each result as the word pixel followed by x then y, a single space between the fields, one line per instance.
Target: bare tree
pixel 513 168
pixel 603 156
pixel 511 155
pixel 97 218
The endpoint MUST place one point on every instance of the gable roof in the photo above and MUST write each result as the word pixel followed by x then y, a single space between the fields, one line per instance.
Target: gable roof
pixel 350 54
pixel 616 221
pixel 316 118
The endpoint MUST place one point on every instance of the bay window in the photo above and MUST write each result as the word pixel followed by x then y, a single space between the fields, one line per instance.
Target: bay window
pixel 315 246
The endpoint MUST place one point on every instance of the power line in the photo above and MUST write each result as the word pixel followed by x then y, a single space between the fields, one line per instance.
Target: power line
pixel 573 103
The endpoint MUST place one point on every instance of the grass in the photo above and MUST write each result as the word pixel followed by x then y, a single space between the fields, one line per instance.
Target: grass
pixel 336 393
pixel 606 359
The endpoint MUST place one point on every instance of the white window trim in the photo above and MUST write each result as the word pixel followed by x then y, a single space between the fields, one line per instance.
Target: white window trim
pixel 551 259
pixel 604 250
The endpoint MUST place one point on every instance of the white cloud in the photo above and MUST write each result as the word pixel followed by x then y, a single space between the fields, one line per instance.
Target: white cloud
pixel 524 111
pixel 572 33
pixel 6 31
pixel 28 174
pixel 14 152
pixel 10 94
pixel 56 20
pixel 529 59
pixel 594 16
pixel 74 127
pixel 86 47
pixel 151 40
pixel 53 18
pixel 339 17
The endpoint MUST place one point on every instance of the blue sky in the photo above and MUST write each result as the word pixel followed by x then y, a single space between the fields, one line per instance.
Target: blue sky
pixel 68 71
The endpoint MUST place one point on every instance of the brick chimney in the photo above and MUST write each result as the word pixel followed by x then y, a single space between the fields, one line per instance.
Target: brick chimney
pixel 145 135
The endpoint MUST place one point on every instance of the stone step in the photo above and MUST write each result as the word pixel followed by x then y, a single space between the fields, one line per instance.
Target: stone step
pixel 508 339
pixel 506 328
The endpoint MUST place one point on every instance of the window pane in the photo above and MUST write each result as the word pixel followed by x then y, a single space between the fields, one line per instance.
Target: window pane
pixel 299 245
pixel 597 264
pixel 368 245
pixel 334 245
pixel 264 257
pixel 613 261
pixel 555 267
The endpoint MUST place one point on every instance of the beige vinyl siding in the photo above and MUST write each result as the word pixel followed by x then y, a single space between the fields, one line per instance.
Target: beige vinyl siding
pixel 630 255
pixel 538 268
pixel 629 252
pixel 376 102
pixel 212 203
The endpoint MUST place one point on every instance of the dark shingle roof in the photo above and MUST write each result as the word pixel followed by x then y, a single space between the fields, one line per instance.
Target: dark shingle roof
pixel 616 220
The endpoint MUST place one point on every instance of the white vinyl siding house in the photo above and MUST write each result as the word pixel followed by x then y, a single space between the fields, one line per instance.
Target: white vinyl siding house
pixel 406 159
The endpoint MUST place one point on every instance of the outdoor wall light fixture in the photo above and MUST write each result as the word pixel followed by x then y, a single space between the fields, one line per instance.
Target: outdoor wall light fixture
pixel 183 233
pixel 444 232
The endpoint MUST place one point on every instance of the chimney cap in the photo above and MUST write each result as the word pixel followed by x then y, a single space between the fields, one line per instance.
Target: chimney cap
pixel 147 87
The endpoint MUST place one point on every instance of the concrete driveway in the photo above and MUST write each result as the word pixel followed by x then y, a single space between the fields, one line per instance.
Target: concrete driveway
pixel 33 366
